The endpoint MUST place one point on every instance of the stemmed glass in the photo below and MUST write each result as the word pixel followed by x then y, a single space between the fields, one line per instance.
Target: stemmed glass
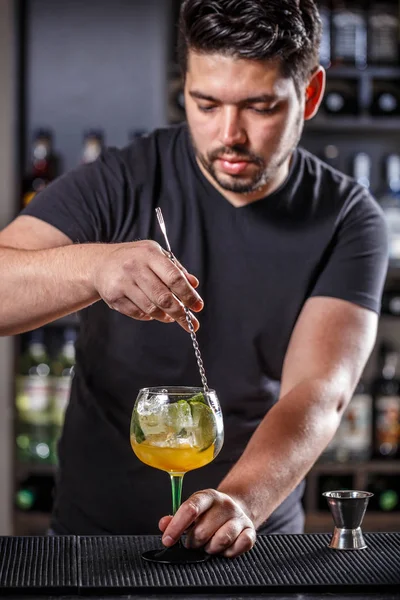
pixel 176 429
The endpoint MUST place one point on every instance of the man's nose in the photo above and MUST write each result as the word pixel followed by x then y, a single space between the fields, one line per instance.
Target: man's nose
pixel 232 131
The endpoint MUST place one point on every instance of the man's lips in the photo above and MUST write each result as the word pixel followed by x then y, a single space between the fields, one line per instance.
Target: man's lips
pixel 233 166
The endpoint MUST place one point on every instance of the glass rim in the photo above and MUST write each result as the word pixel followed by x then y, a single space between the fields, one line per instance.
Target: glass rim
pixel 347 494
pixel 175 390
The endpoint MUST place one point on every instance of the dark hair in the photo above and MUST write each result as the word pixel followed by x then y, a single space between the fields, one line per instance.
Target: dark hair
pixel 288 30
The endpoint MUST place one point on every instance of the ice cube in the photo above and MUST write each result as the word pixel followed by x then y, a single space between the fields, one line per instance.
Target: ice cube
pixel 153 404
pixel 178 416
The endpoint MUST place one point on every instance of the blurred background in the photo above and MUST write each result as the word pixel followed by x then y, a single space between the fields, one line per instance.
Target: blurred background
pixel 77 75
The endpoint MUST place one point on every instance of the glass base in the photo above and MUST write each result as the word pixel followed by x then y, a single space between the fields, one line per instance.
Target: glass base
pixel 176 555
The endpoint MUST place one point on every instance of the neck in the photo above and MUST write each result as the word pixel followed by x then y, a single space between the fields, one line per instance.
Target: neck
pixel 239 200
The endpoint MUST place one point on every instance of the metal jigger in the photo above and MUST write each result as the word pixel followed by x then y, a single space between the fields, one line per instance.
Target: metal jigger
pixel 348 509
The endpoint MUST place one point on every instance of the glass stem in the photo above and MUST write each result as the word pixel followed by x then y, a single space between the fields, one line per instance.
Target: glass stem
pixel 176 485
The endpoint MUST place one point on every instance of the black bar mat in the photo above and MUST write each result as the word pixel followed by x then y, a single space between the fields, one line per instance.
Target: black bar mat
pixel 33 565
pixel 284 562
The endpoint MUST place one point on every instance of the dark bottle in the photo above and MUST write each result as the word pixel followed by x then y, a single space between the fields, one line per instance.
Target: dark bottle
pixel 93 141
pixel 386 405
pixel 385 99
pixel 340 98
pixel 331 155
pixel 383 32
pixel 35 493
pixel 349 33
pixel 43 166
pixel 176 111
pixel 391 303
pixel 325 47
pixel 362 169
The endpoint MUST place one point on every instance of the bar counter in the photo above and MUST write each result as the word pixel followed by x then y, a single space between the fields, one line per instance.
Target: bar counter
pixel 279 567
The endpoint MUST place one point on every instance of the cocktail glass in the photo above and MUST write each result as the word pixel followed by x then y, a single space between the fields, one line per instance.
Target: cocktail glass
pixel 176 429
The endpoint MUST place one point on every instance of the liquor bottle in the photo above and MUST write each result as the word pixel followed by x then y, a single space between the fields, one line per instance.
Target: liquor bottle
pixel 331 155
pixel 362 169
pixel 386 490
pixel 325 47
pixel 383 32
pixel 385 99
pixel 349 33
pixel 391 303
pixel 35 493
pixel 340 98
pixel 93 141
pixel 386 405
pixel 176 111
pixel 43 166
pixel 390 203
pixel 354 435
pixel 33 397
pixel 62 369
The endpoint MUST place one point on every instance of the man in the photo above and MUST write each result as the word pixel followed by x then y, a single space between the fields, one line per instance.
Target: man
pixel 285 259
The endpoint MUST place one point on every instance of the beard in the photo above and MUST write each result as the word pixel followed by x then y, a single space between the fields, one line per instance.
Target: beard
pixel 262 173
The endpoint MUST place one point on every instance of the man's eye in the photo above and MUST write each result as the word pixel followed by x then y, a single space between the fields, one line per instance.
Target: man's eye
pixel 207 108
pixel 263 111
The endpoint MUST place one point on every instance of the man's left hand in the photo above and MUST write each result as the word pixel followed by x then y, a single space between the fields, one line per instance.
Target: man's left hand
pixel 213 520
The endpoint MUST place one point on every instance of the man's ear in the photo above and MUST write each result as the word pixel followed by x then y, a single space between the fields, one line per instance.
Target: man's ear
pixel 314 93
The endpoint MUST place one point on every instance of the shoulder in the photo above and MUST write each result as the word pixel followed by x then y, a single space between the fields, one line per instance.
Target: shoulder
pixel 335 191
pixel 322 174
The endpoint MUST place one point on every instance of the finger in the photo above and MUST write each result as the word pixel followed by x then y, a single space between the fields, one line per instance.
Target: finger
pixel 161 297
pixel 223 514
pixel 174 278
pixel 126 307
pixel 224 537
pixel 194 282
pixel 164 522
pixel 146 305
pixel 187 514
pixel 242 544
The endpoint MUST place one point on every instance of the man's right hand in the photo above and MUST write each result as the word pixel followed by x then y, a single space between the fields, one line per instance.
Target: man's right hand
pixel 139 280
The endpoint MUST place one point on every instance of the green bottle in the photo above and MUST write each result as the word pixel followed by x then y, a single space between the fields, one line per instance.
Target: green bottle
pixel 62 371
pixel 33 394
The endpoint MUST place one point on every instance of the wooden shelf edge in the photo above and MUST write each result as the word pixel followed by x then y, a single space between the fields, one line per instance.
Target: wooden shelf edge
pixel 360 124
pixel 378 466
pixel 321 522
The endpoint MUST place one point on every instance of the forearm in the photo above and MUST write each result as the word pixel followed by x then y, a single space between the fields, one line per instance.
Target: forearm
pixel 38 286
pixel 283 449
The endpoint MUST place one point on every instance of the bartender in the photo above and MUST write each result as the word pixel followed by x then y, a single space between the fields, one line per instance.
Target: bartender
pixel 282 262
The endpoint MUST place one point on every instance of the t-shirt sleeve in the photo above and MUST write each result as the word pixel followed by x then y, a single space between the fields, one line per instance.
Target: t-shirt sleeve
pixel 84 203
pixel 356 263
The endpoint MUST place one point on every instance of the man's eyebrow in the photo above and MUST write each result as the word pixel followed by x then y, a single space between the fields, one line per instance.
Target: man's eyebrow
pixel 266 98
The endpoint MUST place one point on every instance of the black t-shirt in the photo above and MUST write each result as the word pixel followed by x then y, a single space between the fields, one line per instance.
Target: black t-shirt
pixel 319 234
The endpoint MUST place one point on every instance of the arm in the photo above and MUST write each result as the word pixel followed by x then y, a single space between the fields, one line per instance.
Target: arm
pixel 44 276
pixel 325 359
pixel 327 353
